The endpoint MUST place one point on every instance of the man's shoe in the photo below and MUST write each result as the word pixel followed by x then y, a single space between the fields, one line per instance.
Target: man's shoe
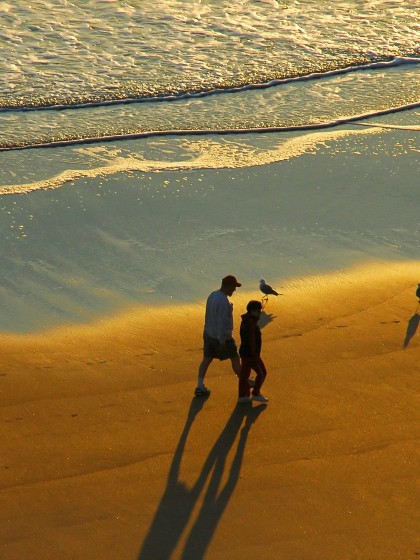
pixel 202 391
pixel 244 400
pixel 259 398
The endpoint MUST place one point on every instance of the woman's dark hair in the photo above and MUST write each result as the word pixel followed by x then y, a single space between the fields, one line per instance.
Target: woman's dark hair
pixel 253 304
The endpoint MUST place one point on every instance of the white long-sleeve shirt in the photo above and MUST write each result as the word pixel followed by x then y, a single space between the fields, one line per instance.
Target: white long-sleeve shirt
pixel 219 317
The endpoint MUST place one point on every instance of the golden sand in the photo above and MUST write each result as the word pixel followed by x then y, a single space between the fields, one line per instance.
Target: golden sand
pixel 106 454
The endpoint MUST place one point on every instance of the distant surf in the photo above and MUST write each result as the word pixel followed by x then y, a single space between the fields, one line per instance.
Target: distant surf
pixel 22 104
pixel 85 72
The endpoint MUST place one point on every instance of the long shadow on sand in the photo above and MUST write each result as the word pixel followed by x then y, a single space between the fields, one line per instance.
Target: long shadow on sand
pixel 413 323
pixel 178 501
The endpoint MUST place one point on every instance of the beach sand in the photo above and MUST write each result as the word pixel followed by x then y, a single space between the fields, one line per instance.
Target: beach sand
pixel 106 454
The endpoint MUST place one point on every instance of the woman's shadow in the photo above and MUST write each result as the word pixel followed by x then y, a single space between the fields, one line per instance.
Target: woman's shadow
pixel 413 323
pixel 178 501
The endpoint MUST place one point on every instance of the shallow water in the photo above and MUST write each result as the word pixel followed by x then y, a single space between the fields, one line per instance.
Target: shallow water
pixel 88 229
pixel 163 221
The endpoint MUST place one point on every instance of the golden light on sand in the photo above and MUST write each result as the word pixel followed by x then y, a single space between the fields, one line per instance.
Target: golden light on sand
pixel 100 430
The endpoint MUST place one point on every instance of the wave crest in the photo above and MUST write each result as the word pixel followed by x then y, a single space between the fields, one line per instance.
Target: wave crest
pixel 137 93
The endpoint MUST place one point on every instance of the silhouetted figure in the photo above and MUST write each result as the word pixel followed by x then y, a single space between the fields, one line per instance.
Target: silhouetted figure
pixel 250 353
pixel 218 328
pixel 418 292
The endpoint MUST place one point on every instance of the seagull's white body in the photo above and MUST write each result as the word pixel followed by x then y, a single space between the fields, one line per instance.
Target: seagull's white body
pixel 267 289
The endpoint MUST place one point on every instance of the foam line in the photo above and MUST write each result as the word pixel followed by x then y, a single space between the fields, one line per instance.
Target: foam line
pixel 206 132
pixel 236 89
pixel 390 126
pixel 206 153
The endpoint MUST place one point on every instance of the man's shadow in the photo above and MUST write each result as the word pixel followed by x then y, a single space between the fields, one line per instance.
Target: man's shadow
pixel 178 501
pixel 413 323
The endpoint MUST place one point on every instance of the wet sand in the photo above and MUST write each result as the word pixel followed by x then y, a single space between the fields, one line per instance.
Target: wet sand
pixel 106 454
pixel 87 232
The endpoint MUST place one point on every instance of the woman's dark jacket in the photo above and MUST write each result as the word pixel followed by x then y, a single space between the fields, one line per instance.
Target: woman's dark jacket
pixel 250 337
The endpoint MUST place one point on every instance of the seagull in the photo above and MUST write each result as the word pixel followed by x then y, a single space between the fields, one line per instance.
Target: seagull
pixel 266 289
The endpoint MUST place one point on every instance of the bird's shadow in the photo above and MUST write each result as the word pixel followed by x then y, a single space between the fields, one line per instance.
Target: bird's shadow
pixel 265 318
pixel 412 326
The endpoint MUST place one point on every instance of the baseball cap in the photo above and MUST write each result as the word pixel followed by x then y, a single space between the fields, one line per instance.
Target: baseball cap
pixel 230 281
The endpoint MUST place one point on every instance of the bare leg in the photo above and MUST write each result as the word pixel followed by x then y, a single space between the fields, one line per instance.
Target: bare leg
pixel 236 365
pixel 202 370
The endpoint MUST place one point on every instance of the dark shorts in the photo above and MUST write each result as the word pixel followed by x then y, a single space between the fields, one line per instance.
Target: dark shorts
pixel 212 345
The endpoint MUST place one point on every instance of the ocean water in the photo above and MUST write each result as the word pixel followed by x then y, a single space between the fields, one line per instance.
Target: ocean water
pixel 147 150
pixel 117 68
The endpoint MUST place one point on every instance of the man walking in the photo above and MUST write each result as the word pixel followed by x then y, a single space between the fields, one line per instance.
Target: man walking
pixel 218 329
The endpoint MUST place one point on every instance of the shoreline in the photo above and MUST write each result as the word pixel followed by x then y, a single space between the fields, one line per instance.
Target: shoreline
pixel 150 134
pixel 156 222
